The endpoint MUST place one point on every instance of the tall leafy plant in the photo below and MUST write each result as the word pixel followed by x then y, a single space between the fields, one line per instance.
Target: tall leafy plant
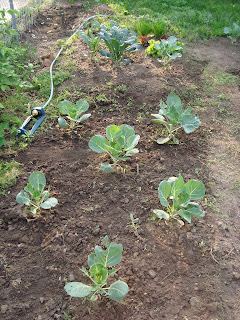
pixel 177 199
pixel 174 117
pixel 118 41
pixel 101 264
pixel 119 145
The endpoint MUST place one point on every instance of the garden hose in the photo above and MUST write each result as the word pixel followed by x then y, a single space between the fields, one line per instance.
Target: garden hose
pixel 38 112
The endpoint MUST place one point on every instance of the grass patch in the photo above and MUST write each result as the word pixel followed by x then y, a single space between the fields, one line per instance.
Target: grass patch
pixel 9 171
pixel 188 19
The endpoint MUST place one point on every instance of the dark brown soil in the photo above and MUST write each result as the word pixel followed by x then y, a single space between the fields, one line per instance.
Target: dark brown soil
pixel 186 273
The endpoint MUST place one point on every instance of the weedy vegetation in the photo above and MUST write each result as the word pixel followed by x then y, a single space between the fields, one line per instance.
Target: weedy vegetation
pixel 73 113
pixel 119 145
pixel 174 117
pixel 34 196
pixel 101 264
pixel 9 171
pixel 176 196
pixel 90 37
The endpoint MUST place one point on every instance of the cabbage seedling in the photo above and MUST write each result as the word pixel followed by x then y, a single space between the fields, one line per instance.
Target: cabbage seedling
pixel 119 145
pixel 118 41
pixel 232 33
pixel 101 265
pixel 73 112
pixel 173 117
pixel 34 196
pixel 165 50
pixel 176 196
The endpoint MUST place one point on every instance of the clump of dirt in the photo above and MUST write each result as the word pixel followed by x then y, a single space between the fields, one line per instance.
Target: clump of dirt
pixel 173 272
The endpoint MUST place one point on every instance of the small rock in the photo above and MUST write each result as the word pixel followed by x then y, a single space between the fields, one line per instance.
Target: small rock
pixel 41 299
pixel 152 274
pixel 212 307
pixel 195 302
pixel 4 308
pixel 71 277
pixel 236 275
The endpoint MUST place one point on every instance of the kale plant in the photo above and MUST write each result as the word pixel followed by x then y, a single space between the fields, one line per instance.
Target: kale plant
pixel 119 145
pixel 173 117
pixel 176 196
pixel 118 41
pixel 165 50
pixel 73 112
pixel 34 196
pixel 101 265
pixel 233 33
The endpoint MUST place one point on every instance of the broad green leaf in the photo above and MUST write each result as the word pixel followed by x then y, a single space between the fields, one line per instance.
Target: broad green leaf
pixel 163 140
pixel 112 132
pixel 177 186
pixel 81 106
pixel 23 198
pixel 118 290
pixel 126 131
pixel 190 123
pixel 98 144
pixel 106 167
pixel 77 289
pixel 99 273
pixel 161 214
pixel 1 106
pixel 105 53
pixel 195 210
pixel 100 255
pixel 36 194
pixel 184 199
pixel 185 215
pixel 164 191
pixel 132 152
pixel 92 259
pixel 195 189
pixel 174 100
pixel 4 126
pixel 84 117
pixel 62 122
pixel 49 203
pixel 113 254
pixel 37 180
pixel 132 141
pixel 2 141
pixel 66 107
pixel 29 189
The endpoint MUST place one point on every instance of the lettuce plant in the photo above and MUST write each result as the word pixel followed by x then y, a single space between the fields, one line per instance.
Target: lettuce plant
pixel 73 112
pixel 159 29
pixel 233 33
pixel 118 42
pixel 165 50
pixel 101 264
pixel 119 145
pixel 144 28
pixel 34 196
pixel 176 196
pixel 173 117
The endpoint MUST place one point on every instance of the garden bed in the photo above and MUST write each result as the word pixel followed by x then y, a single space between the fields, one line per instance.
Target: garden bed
pixel 173 272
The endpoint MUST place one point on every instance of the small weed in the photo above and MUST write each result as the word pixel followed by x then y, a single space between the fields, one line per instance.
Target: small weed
pixel 122 88
pixel 9 171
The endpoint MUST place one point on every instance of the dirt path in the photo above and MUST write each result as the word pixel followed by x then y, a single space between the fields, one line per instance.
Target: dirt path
pixel 173 273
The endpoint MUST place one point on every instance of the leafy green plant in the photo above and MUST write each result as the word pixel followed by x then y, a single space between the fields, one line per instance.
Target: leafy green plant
pixel 165 50
pixel 73 112
pixel 118 42
pixel 233 33
pixel 159 29
pixel 34 196
pixel 3 126
pixel 173 117
pixel 144 28
pixel 119 145
pixel 101 264
pixel 176 196
pixel 91 40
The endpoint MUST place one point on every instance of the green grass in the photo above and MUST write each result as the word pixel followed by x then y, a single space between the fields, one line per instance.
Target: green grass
pixel 188 19
pixel 9 171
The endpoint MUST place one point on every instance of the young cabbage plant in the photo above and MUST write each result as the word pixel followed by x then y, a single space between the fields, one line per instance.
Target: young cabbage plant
pixel 165 50
pixel 119 145
pixel 34 196
pixel 73 112
pixel 101 264
pixel 173 117
pixel 176 196
pixel 118 41
pixel 233 33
